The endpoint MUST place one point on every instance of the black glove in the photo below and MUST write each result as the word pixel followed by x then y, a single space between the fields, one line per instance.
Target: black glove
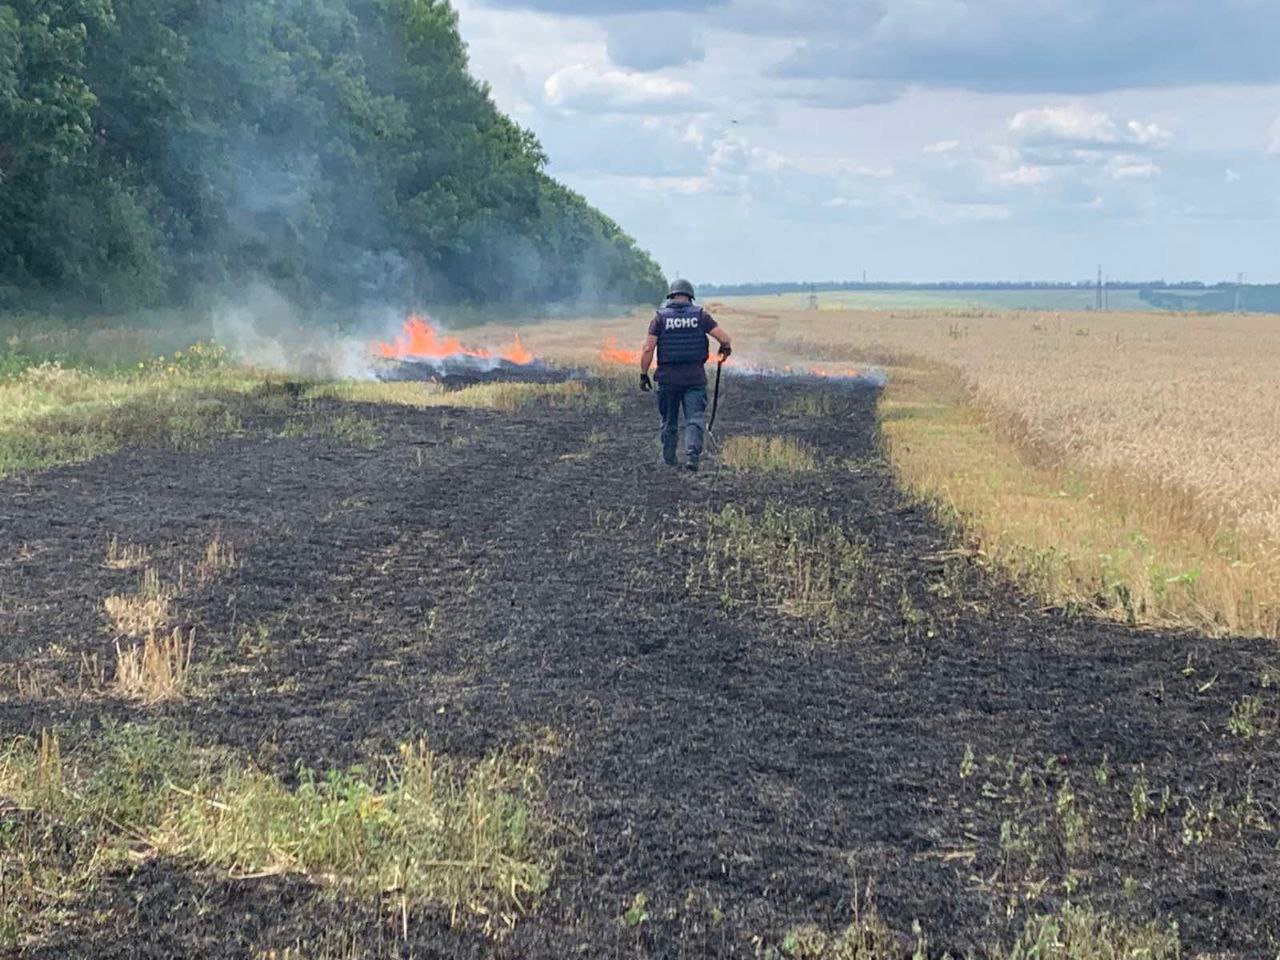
pixel 645 383
pixel 725 351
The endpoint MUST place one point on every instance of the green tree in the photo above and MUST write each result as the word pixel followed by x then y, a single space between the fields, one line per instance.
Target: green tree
pixel 338 148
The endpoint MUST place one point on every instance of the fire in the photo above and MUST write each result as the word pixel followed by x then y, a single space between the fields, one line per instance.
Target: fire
pixel 420 340
pixel 613 353
pixel 516 352
pixel 835 374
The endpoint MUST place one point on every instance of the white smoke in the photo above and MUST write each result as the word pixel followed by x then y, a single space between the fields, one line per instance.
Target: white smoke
pixel 266 330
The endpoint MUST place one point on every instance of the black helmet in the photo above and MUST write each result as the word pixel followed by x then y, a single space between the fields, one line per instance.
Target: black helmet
pixel 681 286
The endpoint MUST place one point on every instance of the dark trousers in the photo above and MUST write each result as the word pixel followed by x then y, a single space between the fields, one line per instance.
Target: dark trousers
pixel 693 401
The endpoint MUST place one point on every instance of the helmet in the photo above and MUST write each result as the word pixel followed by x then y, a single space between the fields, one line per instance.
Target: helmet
pixel 681 286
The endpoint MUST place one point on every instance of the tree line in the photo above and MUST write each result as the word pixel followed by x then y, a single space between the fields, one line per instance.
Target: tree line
pixel 152 150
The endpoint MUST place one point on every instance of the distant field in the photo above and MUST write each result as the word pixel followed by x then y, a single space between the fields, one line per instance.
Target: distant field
pixel 940 299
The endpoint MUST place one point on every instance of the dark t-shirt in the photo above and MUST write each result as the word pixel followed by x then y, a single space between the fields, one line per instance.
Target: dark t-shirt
pixel 682 374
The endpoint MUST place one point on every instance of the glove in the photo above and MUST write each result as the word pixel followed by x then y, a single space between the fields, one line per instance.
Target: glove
pixel 725 351
pixel 645 383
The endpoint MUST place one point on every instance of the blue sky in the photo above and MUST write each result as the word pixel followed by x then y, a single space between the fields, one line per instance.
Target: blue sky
pixel 913 139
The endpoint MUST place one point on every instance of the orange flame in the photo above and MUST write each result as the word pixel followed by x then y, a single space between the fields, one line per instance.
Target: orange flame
pixel 835 374
pixel 517 353
pixel 420 339
pixel 611 352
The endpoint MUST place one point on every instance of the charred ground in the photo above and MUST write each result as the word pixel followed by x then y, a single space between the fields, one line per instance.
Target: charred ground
pixel 741 760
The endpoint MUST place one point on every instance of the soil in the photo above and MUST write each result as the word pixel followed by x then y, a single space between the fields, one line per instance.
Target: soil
pixel 481 577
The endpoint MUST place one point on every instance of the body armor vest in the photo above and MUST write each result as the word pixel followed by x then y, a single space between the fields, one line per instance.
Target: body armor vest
pixel 681 339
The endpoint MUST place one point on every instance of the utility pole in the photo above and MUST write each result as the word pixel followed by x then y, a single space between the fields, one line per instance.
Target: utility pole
pixel 1239 290
pixel 1098 304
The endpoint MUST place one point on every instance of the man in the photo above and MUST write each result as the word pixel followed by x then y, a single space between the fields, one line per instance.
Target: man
pixel 678 333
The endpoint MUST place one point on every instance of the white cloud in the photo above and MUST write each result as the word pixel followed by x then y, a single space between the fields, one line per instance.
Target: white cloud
pixel 584 88
pixel 1148 134
pixel 1027 175
pixel 1273 147
pixel 1231 176
pixel 942 146
pixel 1127 167
pixel 1072 123
pixel 1078 125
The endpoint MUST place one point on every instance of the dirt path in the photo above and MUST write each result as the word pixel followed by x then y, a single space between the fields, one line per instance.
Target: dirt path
pixel 480 577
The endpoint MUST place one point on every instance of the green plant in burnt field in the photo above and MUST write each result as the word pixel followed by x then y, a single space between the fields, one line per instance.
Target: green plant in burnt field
pixel 1250 720
pixel 335 426
pixel 768 455
pixel 1070 933
pixel 1077 933
pixel 812 405
pixel 798 560
pixel 1089 833
pixel 426 828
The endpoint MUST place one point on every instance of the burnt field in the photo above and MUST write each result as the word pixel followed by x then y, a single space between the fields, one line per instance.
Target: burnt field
pixel 769 710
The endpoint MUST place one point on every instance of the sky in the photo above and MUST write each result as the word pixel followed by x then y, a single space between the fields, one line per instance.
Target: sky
pixel 915 140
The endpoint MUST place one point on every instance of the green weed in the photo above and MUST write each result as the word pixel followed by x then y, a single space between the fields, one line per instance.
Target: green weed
pixel 349 428
pixel 810 404
pixel 767 454
pixel 1080 934
pixel 424 828
pixel 795 559
pixel 1244 721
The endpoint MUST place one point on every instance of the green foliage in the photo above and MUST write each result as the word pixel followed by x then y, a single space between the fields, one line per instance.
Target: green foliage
pixel 468 838
pixel 1080 934
pixel 797 560
pixel 339 150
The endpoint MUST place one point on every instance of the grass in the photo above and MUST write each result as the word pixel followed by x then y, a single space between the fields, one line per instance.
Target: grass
pixel 53 414
pixel 419 827
pixel 348 428
pixel 219 559
pixel 796 560
pixel 767 455
pixel 155 670
pixel 811 404
pixel 504 396
pixel 143 613
pixel 125 556
pixel 1073 933
pixel 1081 934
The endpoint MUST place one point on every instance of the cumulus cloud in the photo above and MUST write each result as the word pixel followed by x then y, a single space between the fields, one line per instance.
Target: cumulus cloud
pixel 777 122
pixel 1076 124
pixel 1128 167
pixel 1026 175
pixel 585 88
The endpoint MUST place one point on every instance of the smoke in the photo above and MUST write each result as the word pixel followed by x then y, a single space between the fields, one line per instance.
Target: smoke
pixel 268 330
